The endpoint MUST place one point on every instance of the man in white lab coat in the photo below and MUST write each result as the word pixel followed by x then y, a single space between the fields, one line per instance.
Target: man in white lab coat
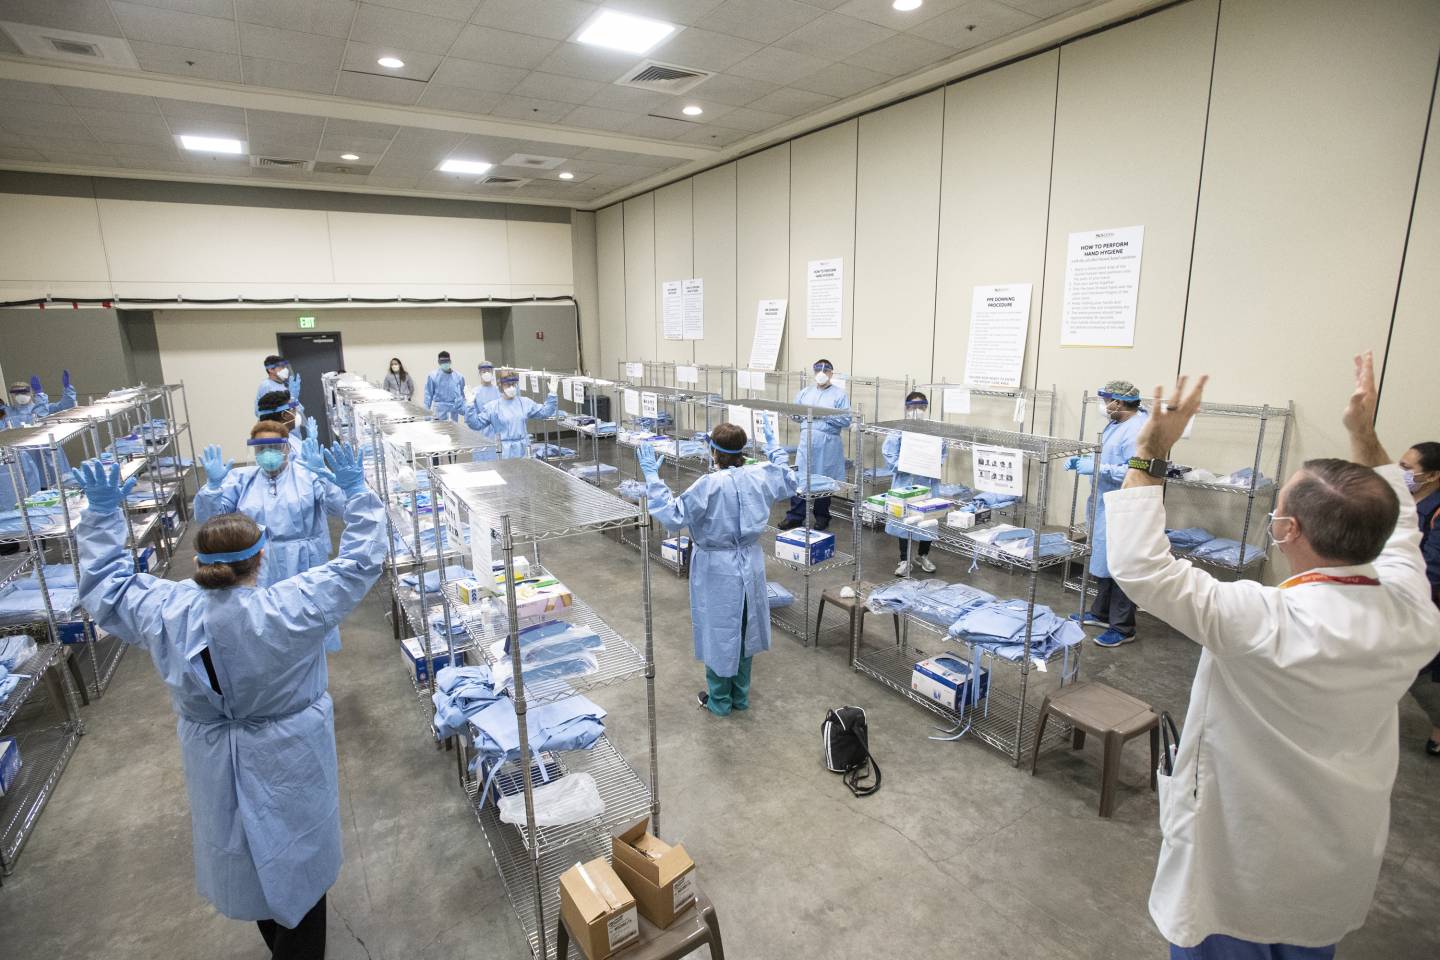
pixel 1276 813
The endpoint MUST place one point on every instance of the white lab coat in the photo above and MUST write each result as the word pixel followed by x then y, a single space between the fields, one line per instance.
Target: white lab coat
pixel 1276 816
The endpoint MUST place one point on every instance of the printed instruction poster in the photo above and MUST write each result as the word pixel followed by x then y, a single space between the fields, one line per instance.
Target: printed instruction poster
pixel 1102 284
pixel 692 325
pixel 999 324
pixel 921 454
pixel 824 305
pixel 672 309
pixel 999 470
pixel 769 328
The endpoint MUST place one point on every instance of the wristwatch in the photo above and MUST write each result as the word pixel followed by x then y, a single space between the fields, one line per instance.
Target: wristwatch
pixel 1155 468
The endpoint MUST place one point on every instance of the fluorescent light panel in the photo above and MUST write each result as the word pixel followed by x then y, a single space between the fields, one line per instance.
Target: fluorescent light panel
pixel 465 166
pixel 211 144
pixel 391 63
pixel 623 31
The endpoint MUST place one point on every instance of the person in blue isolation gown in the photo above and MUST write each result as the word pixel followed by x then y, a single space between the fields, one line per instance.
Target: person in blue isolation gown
pixel 484 393
pixel 245 668
pixel 726 510
pixel 821 452
pixel 1112 608
pixel 28 404
pixel 290 499
pixel 26 475
pixel 507 419
pixel 278 376
pixel 278 407
pixel 916 406
pixel 445 390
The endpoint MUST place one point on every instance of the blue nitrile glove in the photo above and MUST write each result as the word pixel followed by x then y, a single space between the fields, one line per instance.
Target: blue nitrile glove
pixel 216 466
pixel 312 428
pixel 346 468
pixel 65 379
pixel 295 386
pixel 102 484
pixel 311 456
pixel 1085 466
pixel 649 461
pixel 769 434
pixel 35 385
pixel 67 389
pixel 1070 462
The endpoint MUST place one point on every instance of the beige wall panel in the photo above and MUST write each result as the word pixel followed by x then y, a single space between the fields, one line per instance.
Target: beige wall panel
pixel 762 243
pixel 253 251
pixel 1129 130
pixel 822 226
pixel 539 253
pixel 1407 410
pixel 896 239
pixel 587 291
pixel 610 261
pixel 641 293
pixel 995 194
pixel 674 260
pixel 379 249
pixel 1308 182
pixel 48 241
pixel 715 264
pixel 217 353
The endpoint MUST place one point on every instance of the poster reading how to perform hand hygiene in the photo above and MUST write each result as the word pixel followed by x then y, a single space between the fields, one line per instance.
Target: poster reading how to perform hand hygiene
pixel 999 323
pixel 824 299
pixel 692 325
pixel 1102 284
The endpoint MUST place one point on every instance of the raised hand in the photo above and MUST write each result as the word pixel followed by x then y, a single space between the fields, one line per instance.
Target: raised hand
pixel 346 467
pixel 101 484
pixel 35 385
pixel 215 464
pixel 311 456
pixel 1359 416
pixel 650 461
pixel 1169 418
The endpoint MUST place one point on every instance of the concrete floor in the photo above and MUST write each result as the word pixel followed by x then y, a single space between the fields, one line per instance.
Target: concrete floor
pixel 959 850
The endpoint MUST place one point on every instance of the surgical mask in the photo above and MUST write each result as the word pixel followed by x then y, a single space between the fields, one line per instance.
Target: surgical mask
pixel 1114 410
pixel 1411 482
pixel 270 460
pixel 445 367
pixel 394 368
pixel 282 373
pixel 20 399
pixel 509 393
pixel 486 376
pixel 915 413
pixel 1270 529
pixel 821 377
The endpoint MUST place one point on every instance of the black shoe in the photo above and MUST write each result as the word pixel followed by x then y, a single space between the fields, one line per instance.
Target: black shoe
pixel 822 527
pixel 703 699
pixel 788 524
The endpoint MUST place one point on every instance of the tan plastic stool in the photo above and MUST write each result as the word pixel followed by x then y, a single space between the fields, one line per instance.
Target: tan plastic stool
pixel 693 929
pixel 854 606
pixel 1105 712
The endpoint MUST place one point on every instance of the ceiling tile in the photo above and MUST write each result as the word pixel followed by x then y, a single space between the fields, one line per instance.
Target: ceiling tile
pixel 705 49
pixel 105 100
pixel 21 153
pixel 361 128
pixel 290 46
pixel 331 143
pixel 493 149
pixel 556 19
pixel 30 110
pixel 712 136
pixel 901 54
pixel 751 120
pixel 661 128
pixel 410 165
pixel 154 134
pixel 54 144
pixel 1047 8
pixel 775 65
pixel 390 183
pixel 672 11
pixel 589 63
pixel 283 149
pixel 449 9
pixel 675 108
pixel 833 36
pixel 598 118
pixel 12 90
pixel 285 125
pixel 736 91
pixel 34 127
pixel 208 8
pixel 827 4
pixel 404 29
pixel 81 159
pixel 490 45
pixel 622 157
pixel 8 46
pixel 328 18
pixel 763 21
pixel 458 99
pixel 841 80
pixel 144 151
pixel 792 102
pixel 632 99
pixel 175 28
pixel 151 125
pixel 548 86
pixel 186 61
pixel 414 140
pixel 363 57
pixel 488 77
pixel 86 16
pixel 309 78
pixel 989 20
pixel 365 86
pixel 529 108
pixel 9 139
pixel 884 13
pixel 184 110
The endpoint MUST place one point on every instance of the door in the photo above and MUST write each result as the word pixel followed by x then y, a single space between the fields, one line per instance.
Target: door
pixel 312 355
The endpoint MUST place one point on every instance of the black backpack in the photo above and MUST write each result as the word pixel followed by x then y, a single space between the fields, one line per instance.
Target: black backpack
pixel 845 740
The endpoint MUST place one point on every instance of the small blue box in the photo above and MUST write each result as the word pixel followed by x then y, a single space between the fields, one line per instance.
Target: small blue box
pixel 9 764
pixel 946 679
pixel 808 547
pixel 72 631
pixel 145 560
pixel 414 653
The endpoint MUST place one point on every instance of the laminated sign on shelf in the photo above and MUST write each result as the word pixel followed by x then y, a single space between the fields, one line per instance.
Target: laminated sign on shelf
pixel 634 369
pixel 579 390
pixel 956 401
pixel 999 470
pixel 921 454
pixel 649 405
pixel 685 374
pixel 632 401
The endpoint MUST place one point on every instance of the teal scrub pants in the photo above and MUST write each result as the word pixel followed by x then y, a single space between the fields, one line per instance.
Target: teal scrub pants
pixel 731 693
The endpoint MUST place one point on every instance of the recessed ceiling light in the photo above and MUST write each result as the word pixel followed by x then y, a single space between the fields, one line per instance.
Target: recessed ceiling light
pixel 622 31
pixel 905 6
pixel 692 111
pixel 465 166
pixel 567 175
pixel 211 144
pixel 349 156
pixel 391 63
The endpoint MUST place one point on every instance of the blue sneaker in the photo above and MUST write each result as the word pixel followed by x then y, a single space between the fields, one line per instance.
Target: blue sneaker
pixel 1113 638
pixel 1088 619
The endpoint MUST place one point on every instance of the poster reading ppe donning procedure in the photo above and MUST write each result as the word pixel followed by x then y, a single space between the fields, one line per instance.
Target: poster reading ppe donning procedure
pixel 1102 284
pixel 769 328
pixel 672 310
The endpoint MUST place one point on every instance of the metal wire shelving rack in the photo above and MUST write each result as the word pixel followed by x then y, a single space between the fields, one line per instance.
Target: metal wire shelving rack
pixel 1210 500
pixel 1007 717
pixel 525 502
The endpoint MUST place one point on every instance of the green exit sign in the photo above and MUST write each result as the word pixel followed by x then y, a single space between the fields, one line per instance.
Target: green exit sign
pixel 307 323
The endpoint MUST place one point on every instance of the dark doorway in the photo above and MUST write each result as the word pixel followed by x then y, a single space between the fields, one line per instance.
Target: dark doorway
pixel 312 355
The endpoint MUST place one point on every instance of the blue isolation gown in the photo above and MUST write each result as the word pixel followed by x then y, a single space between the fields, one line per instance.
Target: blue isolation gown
pixel 1117 446
pixel 891 452
pixel 508 422
pixel 484 393
pixel 259 758
pixel 726 511
pixel 445 395
pixel 821 438
pixel 292 507
pixel 29 415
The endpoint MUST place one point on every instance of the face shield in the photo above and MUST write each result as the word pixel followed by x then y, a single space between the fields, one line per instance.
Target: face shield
pixel 270 453
pixel 824 372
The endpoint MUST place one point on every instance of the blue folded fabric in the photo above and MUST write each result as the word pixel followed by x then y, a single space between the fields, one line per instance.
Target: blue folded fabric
pixel 550 450
pixel 1021 542
pixel 878 473
pixel 592 470
pixel 15 650
pixel 778 596
pixel 574 723
pixel 995 500
pixel 553 638
pixel 1226 552
pixel 933 601
pixel 23 606
pixel 8 683
pixel 461 693
pixel 999 627
pixel 1189 538
pixel 432 579
pixel 955 491
pixel 632 490
pixel 58 576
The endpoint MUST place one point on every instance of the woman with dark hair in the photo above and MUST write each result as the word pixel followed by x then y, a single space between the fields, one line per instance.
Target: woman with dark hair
pixel 726 510
pixel 1421 464
pixel 245 668
pixel 398 381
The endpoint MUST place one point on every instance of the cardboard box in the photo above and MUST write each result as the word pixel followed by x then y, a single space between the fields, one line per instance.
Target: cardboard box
pixel 661 877
pixel 414 654
pixel 960 519
pixel 9 764
pixel 676 550
pixel 547 598
pixel 145 560
pixel 946 680
pixel 471 591
pixel 598 909
pixel 793 545
pixel 928 506
pixel 877 504
pixel 909 493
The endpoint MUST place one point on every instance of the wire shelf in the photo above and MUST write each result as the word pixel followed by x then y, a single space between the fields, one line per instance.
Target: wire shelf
pixel 14 567
pixel 44 753
pixel 953 540
pixel 541 502
pixel 33 672
pixel 1033 446
pixel 1262 489
pixel 432 438
pixel 108 650
pixel 802 410
pixel 40 437
pixel 938 636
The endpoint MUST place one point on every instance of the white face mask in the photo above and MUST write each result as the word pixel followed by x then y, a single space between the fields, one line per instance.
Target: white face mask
pixel 1270 529
pixel 20 399
pixel 822 378
pixel 282 373
pixel 509 393
pixel 486 376
pixel 394 368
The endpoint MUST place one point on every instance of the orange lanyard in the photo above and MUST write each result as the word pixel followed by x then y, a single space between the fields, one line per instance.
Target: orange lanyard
pixel 1352 581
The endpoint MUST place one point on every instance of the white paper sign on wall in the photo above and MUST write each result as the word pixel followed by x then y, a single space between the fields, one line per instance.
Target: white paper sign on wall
pixel 824 301
pixel 692 324
pixel 672 310
pixel 999 324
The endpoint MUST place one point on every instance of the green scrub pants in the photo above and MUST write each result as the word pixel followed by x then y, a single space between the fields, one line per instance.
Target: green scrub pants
pixel 731 693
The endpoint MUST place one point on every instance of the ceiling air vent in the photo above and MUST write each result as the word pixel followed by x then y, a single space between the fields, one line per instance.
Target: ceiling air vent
pixel 281 163
pixel 352 169
pixel 663 77
pixel 74 48
pixel 51 43
pixel 511 182
pixel 532 160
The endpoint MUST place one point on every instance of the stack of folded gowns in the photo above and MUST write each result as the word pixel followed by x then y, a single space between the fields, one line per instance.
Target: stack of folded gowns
pixel 592 471
pixel 549 653
pixel 572 723
pixel 999 627
pixel 431 580
pixel 778 596
pixel 1189 538
pixel 1226 552
pixel 460 693
pixel 632 490
pixel 933 601
pixel 550 450
pixel 22 602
